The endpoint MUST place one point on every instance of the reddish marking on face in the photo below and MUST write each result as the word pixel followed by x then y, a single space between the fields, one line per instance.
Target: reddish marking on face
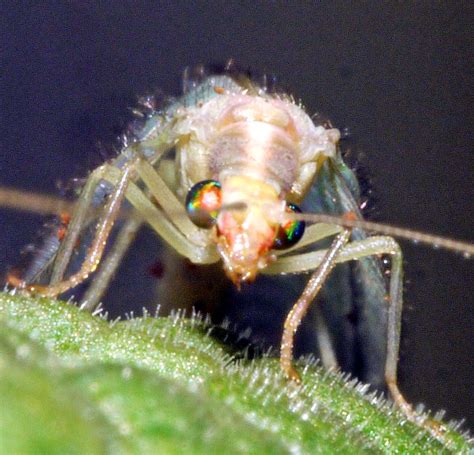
pixel 244 244
pixel 225 226
pixel 219 90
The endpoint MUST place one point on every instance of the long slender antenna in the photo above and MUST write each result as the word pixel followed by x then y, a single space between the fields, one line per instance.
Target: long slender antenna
pixel 467 249
pixel 34 203
pixel 50 205
pixel 40 204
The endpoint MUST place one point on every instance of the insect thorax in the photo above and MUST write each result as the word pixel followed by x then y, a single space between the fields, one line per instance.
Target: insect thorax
pixel 263 136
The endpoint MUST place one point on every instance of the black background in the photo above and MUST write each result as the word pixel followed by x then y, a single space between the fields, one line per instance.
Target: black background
pixel 397 75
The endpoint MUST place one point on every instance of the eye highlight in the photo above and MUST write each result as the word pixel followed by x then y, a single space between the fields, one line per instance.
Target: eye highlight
pixel 290 232
pixel 203 202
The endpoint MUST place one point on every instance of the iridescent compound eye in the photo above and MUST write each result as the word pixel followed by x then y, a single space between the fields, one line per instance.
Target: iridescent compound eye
pixel 290 232
pixel 203 202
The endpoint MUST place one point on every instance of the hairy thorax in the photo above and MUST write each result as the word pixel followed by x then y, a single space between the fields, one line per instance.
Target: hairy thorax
pixel 268 138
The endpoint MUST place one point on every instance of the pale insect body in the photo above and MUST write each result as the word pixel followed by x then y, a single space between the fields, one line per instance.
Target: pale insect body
pixel 269 139
pixel 264 151
pixel 252 154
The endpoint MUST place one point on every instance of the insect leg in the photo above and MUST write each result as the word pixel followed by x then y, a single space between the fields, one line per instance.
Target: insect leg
pixel 301 307
pixel 76 225
pixel 197 247
pixel 109 265
pixel 355 250
pixel 104 226
pixel 313 234
pixel 304 262
pixel 125 237
pixel 170 204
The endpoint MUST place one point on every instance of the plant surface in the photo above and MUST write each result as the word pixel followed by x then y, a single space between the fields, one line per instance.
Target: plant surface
pixel 74 383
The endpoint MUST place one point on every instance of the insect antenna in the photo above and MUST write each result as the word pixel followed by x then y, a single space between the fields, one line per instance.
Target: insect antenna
pixel 458 246
pixel 33 202
pixel 50 205
pixel 41 204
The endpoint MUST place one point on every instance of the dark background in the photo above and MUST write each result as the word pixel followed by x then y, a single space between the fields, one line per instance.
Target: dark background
pixel 397 75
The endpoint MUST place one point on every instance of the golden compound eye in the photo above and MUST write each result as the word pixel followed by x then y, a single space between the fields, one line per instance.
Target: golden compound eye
pixel 203 202
pixel 290 232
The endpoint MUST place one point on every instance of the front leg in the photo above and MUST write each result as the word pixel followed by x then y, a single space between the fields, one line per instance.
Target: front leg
pixel 103 229
pixel 300 308
pixel 376 245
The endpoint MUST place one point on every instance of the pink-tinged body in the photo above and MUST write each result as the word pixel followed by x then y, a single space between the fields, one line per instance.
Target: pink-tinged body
pixel 264 150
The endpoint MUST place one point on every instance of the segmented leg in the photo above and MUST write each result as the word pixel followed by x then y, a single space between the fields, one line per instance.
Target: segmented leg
pixel 376 245
pixel 109 265
pixel 299 310
pixel 166 197
pixel 96 250
pixel 181 234
pixel 170 203
pixel 371 246
pixel 352 251
pixel 196 246
pixel 312 234
pixel 75 226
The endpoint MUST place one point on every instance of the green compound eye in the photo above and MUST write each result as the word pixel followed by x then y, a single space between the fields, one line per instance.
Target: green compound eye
pixel 203 202
pixel 290 232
